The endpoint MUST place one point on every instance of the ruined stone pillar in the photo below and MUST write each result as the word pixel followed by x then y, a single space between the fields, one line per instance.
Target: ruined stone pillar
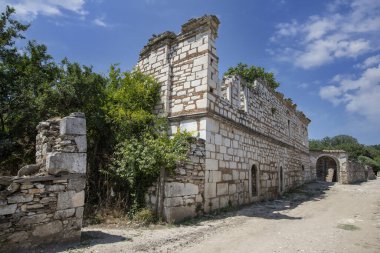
pixel 45 205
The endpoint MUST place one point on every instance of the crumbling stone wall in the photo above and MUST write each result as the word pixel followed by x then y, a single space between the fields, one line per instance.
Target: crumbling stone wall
pixel 44 203
pixel 355 172
pixel 242 124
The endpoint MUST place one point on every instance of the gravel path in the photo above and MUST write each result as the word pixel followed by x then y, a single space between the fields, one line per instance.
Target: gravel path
pixel 317 218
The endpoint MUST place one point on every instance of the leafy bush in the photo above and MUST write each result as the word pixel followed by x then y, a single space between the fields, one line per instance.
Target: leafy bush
pixel 144 216
pixel 139 160
pixel 250 74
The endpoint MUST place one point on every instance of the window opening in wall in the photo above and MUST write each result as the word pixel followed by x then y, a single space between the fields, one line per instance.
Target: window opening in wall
pixel 303 168
pixel 243 101
pixel 212 61
pixel 211 90
pixel 254 180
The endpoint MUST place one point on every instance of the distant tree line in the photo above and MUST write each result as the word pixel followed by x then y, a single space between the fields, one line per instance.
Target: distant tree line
pixel 127 142
pixel 365 154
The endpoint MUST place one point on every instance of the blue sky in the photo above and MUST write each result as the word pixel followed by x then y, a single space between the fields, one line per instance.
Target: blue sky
pixel 325 54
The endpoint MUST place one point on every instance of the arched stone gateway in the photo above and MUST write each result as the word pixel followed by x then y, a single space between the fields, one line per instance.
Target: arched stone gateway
pixel 335 166
pixel 327 169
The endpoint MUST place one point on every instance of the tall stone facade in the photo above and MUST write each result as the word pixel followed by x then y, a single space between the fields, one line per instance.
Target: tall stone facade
pixel 44 203
pixel 256 142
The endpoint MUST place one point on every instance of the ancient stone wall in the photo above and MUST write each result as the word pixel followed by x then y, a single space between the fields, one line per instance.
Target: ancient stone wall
pixel 246 127
pixel 44 203
pixel 354 173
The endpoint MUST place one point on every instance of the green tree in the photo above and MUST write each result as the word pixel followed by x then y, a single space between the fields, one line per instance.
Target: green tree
pixel 23 77
pixel 251 73
pixel 143 146
pixel 131 97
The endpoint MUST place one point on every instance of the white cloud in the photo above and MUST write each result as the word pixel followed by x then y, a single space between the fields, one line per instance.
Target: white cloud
pixel 348 29
pixel 100 22
pixel 30 9
pixel 359 95
pixel 369 62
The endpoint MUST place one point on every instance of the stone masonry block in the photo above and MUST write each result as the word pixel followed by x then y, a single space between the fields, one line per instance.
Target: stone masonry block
pixel 189 125
pixel 213 176
pixel 72 126
pixel 175 189
pixel 9 209
pixel 77 184
pixel 210 190
pixel 211 164
pixel 57 163
pixel 222 189
pixel 81 142
pixel 70 199
pixel 48 229
pixel 176 201
pixel 21 198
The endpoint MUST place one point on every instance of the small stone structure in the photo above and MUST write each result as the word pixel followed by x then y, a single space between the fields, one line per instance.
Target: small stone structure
pixel 335 166
pixel 255 141
pixel 44 203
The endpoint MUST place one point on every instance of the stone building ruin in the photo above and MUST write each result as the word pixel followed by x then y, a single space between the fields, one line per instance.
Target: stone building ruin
pixel 254 143
pixel 335 166
pixel 44 204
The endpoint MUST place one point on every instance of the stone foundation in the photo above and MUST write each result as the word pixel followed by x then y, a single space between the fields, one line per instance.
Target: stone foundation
pixel 44 203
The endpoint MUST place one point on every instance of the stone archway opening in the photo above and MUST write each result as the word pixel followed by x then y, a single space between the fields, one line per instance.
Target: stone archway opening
pixel 327 169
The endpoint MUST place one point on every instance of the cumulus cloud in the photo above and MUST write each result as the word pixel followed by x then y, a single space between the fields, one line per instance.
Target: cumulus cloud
pixel 30 9
pixel 347 30
pixel 359 95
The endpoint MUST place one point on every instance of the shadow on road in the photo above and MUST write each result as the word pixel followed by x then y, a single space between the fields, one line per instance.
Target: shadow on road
pixel 89 238
pixel 272 209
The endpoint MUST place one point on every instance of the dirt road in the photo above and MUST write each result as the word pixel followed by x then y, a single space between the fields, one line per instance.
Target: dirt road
pixel 317 218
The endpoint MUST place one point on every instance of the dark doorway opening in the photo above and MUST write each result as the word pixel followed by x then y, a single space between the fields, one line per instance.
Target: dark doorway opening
pixel 254 184
pixel 327 169
pixel 281 179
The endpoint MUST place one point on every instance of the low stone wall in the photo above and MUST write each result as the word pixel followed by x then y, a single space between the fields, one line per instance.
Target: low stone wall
pixel 45 209
pixel 183 191
pixel 355 172
pixel 44 203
